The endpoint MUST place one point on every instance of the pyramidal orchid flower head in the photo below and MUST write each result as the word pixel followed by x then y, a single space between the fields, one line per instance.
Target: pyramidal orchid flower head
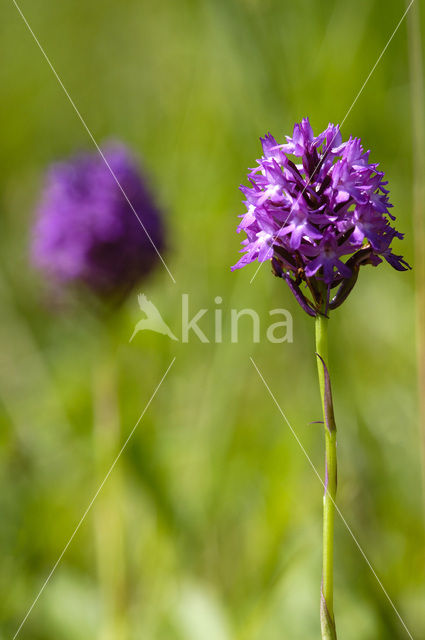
pixel 318 210
pixel 87 234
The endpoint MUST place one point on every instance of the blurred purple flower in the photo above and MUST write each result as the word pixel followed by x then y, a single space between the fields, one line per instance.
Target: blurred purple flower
pixel 85 231
pixel 305 215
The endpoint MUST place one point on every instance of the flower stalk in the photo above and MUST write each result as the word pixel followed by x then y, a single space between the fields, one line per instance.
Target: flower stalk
pixel 109 524
pixel 418 146
pixel 327 620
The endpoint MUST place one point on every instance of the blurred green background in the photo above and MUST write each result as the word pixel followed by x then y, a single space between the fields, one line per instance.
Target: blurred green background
pixel 209 526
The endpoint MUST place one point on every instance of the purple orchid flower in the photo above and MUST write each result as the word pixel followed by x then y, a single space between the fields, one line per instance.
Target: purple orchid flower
pixel 306 214
pixel 86 232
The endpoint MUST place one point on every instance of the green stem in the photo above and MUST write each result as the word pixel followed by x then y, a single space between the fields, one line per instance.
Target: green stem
pixel 418 146
pixel 326 606
pixel 108 510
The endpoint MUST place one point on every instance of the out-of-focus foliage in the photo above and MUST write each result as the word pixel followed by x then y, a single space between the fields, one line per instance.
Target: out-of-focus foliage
pixel 209 527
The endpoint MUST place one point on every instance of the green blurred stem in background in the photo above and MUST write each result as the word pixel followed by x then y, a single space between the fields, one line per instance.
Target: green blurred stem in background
pixel 109 513
pixel 326 601
pixel 418 147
